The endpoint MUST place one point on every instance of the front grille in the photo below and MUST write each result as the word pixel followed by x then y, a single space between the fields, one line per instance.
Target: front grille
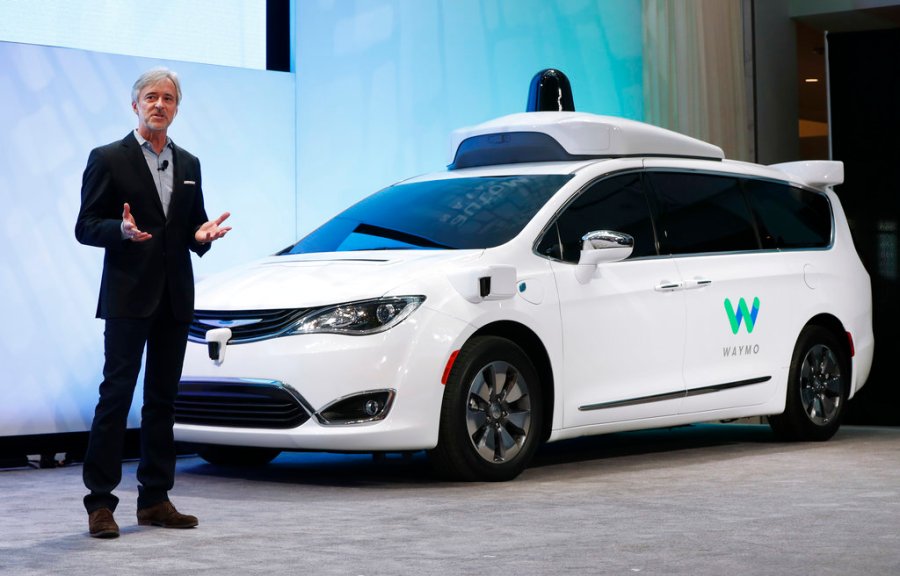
pixel 245 325
pixel 239 403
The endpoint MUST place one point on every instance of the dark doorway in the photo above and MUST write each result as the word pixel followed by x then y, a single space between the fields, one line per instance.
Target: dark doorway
pixel 864 88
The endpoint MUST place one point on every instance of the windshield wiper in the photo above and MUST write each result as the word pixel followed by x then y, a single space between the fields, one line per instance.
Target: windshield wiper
pixel 390 234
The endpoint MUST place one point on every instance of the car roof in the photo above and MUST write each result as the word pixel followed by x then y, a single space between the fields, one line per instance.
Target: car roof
pixel 820 174
pixel 542 136
pixel 513 169
pixel 566 142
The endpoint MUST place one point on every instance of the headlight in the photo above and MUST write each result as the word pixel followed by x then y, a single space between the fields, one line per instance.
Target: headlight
pixel 359 318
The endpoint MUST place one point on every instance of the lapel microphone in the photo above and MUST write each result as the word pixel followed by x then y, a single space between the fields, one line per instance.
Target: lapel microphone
pixel 163 166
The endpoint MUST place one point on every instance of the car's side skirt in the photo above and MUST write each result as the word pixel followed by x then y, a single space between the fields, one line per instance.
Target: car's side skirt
pixel 674 395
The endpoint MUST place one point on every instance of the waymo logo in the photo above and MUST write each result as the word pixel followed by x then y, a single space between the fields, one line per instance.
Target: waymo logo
pixel 742 314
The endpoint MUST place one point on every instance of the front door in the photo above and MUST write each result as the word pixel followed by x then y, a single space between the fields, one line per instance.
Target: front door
pixel 623 327
pixel 622 341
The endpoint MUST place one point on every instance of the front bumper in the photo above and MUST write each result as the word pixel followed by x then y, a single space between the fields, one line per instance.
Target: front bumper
pixel 316 370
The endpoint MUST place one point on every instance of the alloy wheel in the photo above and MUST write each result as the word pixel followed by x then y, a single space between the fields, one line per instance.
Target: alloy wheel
pixel 820 384
pixel 498 412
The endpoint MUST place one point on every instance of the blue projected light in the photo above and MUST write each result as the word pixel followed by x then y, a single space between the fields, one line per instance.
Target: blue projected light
pixel 380 84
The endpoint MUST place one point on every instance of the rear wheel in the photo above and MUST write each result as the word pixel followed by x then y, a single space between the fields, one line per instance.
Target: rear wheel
pixel 491 414
pixel 237 456
pixel 818 386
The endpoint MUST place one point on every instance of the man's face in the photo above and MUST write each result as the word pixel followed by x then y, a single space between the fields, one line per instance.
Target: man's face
pixel 156 106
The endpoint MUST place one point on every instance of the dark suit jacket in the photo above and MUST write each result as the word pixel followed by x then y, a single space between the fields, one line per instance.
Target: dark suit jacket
pixel 135 273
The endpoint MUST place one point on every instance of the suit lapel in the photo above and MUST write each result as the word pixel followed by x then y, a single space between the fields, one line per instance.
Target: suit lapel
pixel 178 177
pixel 139 164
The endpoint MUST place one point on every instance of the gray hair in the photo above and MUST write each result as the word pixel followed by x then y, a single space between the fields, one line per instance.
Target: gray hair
pixel 153 76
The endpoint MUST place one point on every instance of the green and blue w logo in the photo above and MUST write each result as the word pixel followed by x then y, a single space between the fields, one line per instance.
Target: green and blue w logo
pixel 742 313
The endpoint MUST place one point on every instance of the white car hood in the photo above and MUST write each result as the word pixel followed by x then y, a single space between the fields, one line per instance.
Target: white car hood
pixel 307 280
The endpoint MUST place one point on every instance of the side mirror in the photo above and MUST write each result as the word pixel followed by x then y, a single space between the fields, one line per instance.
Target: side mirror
pixel 600 247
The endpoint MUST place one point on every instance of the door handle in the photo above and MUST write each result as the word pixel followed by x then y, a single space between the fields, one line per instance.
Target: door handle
pixel 666 286
pixel 697 282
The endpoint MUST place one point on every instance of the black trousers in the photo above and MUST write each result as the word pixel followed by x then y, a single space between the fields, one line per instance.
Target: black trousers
pixel 124 339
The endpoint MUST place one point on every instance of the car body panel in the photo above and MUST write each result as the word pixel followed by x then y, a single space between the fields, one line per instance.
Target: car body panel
pixel 639 343
pixel 612 324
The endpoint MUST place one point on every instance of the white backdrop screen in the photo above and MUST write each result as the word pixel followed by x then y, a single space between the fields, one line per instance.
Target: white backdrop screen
pixel 58 105
pixel 223 32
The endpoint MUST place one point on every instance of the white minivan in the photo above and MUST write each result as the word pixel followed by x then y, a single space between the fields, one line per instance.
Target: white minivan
pixel 568 274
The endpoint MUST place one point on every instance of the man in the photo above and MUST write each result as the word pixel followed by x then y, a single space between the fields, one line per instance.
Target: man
pixel 141 200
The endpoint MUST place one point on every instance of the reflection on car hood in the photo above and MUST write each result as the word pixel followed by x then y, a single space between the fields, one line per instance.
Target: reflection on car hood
pixel 319 279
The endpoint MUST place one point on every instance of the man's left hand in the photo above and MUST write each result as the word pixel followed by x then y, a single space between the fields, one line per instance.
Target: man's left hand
pixel 212 230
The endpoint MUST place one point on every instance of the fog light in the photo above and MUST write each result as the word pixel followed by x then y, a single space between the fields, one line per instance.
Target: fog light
pixel 373 407
pixel 360 408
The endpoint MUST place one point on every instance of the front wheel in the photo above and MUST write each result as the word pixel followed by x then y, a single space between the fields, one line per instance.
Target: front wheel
pixel 491 413
pixel 818 386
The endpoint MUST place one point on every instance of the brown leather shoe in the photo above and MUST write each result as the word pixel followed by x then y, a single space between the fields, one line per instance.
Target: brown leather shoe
pixel 165 515
pixel 101 524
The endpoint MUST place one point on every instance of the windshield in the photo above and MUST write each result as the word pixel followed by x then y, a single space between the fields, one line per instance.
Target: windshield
pixel 454 213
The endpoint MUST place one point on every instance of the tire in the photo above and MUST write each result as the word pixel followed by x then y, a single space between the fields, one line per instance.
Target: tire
pixel 491 417
pixel 818 386
pixel 237 456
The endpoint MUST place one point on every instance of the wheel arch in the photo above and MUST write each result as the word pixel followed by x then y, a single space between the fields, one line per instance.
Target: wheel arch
pixel 798 421
pixel 526 339
pixel 836 327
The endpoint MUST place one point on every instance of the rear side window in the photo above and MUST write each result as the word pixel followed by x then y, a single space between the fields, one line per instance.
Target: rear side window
pixel 702 213
pixel 617 203
pixel 790 217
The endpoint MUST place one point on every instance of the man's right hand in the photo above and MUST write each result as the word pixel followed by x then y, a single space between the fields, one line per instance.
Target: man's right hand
pixel 130 230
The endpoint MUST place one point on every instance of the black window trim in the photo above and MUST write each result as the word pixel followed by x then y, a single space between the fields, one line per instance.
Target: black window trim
pixel 743 178
pixel 653 206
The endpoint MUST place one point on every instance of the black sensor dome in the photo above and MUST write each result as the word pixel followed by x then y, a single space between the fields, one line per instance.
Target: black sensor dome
pixel 550 91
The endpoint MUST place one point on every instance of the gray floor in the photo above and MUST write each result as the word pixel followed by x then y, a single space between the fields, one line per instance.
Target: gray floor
pixel 710 499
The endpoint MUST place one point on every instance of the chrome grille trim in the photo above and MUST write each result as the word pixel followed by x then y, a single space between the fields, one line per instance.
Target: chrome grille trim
pixel 245 325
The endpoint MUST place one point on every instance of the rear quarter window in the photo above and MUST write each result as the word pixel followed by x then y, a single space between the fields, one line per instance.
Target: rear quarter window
pixel 790 217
